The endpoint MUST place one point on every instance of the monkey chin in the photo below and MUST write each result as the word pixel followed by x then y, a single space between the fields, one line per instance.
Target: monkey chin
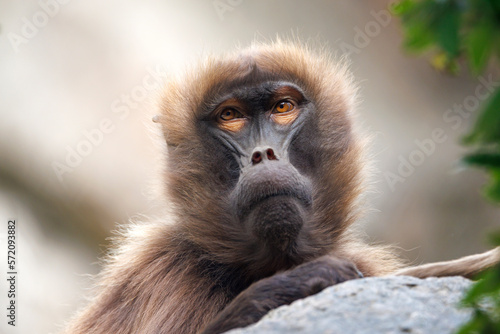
pixel 276 221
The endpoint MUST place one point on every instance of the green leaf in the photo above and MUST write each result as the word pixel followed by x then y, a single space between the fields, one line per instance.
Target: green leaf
pixel 488 160
pixel 487 127
pixel 488 285
pixel 401 7
pixel 418 37
pixel 492 190
pixel 473 326
pixel 448 30
pixel 479 42
pixel 495 239
pixel 474 294
pixel 419 19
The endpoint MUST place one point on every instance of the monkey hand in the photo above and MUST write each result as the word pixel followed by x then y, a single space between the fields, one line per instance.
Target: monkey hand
pixel 319 274
pixel 281 289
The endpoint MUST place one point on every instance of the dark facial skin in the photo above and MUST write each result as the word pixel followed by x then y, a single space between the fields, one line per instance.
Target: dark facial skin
pixel 256 126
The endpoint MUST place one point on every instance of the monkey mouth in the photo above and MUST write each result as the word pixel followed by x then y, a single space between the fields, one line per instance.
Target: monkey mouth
pixel 298 195
pixel 276 220
pixel 303 198
pixel 262 186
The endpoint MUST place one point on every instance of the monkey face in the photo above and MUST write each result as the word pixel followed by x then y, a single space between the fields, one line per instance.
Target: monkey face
pixel 261 152
pixel 255 125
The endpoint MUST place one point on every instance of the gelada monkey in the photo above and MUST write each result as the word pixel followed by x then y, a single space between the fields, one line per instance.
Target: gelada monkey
pixel 264 174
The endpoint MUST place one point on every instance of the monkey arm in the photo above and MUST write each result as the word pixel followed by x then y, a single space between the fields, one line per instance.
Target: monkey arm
pixel 282 289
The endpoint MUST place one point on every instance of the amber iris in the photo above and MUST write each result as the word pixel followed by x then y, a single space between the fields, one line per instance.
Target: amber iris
pixel 283 106
pixel 229 114
pixel 231 120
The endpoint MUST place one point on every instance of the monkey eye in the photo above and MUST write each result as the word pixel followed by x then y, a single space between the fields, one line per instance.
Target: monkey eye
pixel 230 114
pixel 283 106
pixel 231 119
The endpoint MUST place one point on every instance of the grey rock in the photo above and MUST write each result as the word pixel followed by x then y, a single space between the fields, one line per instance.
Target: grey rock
pixel 388 305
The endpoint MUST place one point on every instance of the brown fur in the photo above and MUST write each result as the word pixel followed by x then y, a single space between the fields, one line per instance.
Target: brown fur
pixel 468 266
pixel 177 274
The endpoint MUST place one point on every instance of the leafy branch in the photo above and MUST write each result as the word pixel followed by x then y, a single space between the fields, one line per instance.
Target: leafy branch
pixel 455 30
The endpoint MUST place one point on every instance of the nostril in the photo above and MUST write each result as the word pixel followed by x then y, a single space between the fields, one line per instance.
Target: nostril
pixel 270 154
pixel 261 154
pixel 256 157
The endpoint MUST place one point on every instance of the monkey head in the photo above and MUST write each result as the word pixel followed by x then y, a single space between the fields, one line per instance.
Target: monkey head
pixel 261 152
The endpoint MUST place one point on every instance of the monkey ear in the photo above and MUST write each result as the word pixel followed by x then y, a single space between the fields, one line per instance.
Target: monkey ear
pixel 157 119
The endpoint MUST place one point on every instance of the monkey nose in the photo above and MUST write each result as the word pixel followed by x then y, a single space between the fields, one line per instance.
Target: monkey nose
pixel 261 154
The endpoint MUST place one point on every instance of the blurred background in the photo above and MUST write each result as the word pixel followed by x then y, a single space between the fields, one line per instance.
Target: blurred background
pixel 79 154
